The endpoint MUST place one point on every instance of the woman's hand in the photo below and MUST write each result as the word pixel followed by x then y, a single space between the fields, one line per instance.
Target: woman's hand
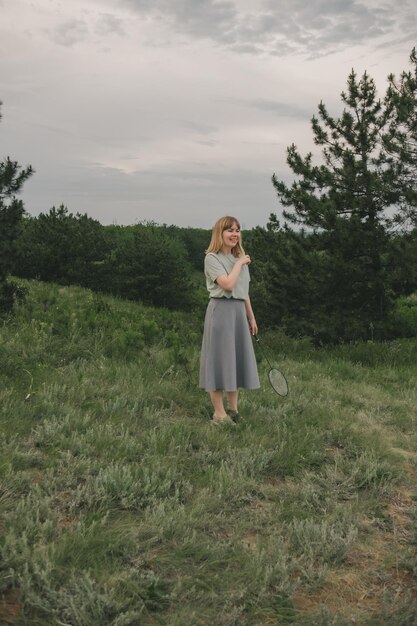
pixel 228 281
pixel 253 326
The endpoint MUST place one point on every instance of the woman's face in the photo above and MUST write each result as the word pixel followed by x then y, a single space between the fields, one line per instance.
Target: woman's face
pixel 231 236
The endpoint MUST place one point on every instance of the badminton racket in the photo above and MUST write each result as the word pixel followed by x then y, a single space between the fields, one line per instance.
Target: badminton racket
pixel 276 378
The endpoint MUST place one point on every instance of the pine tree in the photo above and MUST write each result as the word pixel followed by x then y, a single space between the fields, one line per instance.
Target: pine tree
pixel 284 276
pixel 344 201
pixel 61 247
pixel 12 177
pixel 400 140
pixel 152 267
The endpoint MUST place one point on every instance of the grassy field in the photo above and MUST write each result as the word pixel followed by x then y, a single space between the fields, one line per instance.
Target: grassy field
pixel 120 504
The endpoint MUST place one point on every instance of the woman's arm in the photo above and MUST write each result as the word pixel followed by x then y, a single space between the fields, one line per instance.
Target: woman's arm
pixel 251 317
pixel 228 281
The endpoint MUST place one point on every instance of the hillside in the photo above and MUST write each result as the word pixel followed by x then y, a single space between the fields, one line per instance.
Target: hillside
pixel 121 505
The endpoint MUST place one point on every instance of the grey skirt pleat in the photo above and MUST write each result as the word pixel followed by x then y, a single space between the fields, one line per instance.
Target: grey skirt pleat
pixel 227 359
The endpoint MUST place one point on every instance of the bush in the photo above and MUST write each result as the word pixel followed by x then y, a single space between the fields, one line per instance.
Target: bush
pixel 403 319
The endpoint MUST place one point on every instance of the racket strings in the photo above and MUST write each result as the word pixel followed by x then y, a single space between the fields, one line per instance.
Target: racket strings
pixel 278 381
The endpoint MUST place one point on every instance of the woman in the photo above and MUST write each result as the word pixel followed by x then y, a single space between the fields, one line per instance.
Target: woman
pixel 227 357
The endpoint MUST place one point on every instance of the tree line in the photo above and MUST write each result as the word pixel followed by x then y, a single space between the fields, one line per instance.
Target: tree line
pixel 145 262
pixel 336 267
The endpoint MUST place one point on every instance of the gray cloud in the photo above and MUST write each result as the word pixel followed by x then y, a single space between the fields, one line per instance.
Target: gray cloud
pixel 321 26
pixel 74 31
pixel 201 18
pixel 395 42
pixel 209 143
pixel 199 127
pixel 109 24
pixel 313 28
pixel 70 32
pixel 282 109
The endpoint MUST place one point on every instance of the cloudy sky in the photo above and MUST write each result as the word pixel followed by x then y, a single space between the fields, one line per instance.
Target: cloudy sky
pixel 179 111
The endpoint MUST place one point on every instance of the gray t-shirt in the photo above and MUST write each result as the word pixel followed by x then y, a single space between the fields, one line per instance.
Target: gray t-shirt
pixel 218 264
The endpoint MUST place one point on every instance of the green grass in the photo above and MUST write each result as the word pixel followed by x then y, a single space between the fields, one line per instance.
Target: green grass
pixel 121 505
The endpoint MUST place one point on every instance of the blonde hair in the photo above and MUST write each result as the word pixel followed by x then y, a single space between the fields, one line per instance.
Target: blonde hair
pixel 219 227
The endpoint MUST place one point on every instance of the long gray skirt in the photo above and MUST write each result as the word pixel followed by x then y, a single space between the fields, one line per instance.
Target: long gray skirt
pixel 227 359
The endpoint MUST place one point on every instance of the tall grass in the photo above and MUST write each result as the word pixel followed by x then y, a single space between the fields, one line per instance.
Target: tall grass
pixel 122 505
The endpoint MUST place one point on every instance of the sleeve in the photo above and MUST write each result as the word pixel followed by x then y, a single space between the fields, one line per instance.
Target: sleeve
pixel 212 267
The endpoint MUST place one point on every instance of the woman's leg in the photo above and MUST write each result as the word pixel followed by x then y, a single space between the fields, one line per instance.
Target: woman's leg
pixel 232 397
pixel 216 398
